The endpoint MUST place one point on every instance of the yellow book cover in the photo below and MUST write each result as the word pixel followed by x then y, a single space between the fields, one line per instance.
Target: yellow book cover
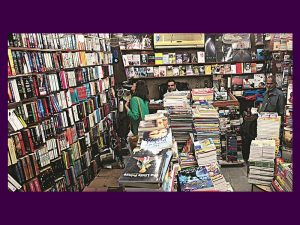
pixel 207 69
pixel 158 58
pixel 11 63
pixel 82 59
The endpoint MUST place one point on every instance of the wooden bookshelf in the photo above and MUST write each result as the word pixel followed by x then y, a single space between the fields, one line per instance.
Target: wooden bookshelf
pixel 62 124
pixel 15 104
pixel 53 50
pixel 168 77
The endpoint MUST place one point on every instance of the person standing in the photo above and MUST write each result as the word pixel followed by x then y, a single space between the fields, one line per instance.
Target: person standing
pixel 273 98
pixel 139 105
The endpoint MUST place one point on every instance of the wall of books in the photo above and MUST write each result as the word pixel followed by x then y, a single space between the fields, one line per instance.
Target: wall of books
pixel 61 110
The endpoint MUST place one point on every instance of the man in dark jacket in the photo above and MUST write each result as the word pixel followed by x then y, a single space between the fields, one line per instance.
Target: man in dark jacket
pixel 274 100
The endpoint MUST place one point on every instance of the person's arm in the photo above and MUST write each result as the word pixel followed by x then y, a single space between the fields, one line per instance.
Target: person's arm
pixel 280 104
pixel 133 112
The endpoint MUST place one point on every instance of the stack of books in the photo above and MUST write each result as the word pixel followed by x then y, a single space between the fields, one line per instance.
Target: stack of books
pixel 206 124
pixel 145 171
pixel 268 127
pixel 283 181
pixel 205 152
pixel 261 159
pixel 288 134
pixel 186 155
pixel 218 179
pixel 206 94
pixel 176 99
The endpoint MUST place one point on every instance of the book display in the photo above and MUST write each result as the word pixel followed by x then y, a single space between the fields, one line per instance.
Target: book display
pixel 216 100
pixel 61 110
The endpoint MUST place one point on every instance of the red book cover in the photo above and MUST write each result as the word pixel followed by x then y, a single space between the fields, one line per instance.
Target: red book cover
pixel 30 141
pixel 35 87
pixel 31 186
pixel 63 79
pixel 29 165
pixel 45 106
pixel 25 169
pixel 25 188
pixel 36 113
pixel 37 185
pixel 10 97
pixel 35 67
pixel 22 144
pixel 55 61
pixel 27 41
pixel 35 164
pixel 239 68
pixel 69 135
pixel 9 70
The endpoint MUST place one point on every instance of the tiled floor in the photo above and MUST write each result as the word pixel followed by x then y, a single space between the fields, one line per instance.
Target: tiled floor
pixel 107 180
pixel 237 177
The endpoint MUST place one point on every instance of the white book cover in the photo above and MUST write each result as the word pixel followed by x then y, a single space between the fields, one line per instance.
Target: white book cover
pixel 201 56
pixel 70 115
pixel 290 94
pixel 75 113
pixel 136 58
pixel 233 68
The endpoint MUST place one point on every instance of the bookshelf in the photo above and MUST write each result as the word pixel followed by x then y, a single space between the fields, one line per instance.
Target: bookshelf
pixel 196 65
pixel 62 112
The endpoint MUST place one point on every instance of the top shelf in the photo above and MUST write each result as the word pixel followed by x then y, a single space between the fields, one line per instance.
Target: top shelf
pixel 137 50
pixel 52 50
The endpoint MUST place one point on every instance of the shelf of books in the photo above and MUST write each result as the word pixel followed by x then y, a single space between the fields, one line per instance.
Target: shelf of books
pixel 62 110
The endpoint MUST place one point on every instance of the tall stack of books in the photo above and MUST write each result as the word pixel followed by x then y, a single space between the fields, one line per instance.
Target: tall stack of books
pixel 283 181
pixel 268 128
pixel 261 159
pixel 149 164
pixel 206 124
pixel 288 134
pixel 205 152
pixel 186 155
pixel 180 115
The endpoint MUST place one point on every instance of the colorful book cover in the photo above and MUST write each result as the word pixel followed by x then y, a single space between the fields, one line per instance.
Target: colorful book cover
pixel 175 71
pixel 201 56
pixel 195 179
pixel 165 58
pixel 247 67
pixel 150 71
pixel 169 70
pixel 178 58
pixel 207 69
pixel 157 139
pixel 158 58
pixel 162 71
pixel 172 58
